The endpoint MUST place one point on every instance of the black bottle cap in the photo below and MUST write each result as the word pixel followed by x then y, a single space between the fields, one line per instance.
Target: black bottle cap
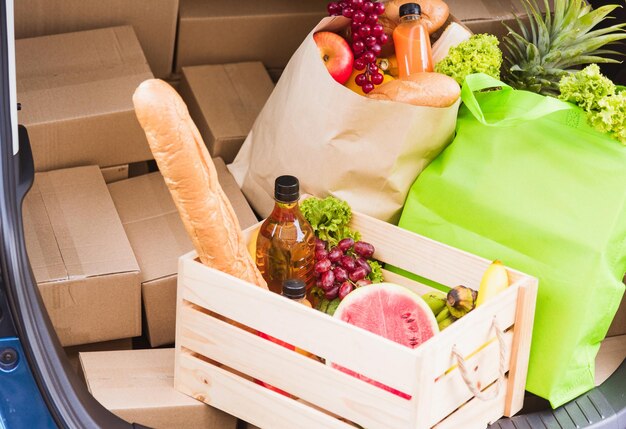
pixel 410 9
pixel 287 189
pixel 294 288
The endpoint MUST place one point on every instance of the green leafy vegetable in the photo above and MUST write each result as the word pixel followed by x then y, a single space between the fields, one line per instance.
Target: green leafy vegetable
pixel 376 276
pixel 604 103
pixel 478 54
pixel 611 118
pixel 329 218
pixel 586 88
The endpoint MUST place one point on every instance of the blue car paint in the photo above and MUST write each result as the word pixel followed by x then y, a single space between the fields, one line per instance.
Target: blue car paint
pixel 21 404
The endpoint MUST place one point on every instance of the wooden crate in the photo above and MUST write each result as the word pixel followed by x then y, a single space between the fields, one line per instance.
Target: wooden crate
pixel 217 361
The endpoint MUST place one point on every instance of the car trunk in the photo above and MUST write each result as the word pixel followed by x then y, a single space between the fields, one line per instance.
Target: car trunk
pixel 90 256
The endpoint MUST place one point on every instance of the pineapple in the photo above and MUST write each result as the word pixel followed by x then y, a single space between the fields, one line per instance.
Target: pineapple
pixel 552 46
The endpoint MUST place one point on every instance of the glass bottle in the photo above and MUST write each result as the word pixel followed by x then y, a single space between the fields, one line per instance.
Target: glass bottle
pixel 412 42
pixel 295 289
pixel 285 246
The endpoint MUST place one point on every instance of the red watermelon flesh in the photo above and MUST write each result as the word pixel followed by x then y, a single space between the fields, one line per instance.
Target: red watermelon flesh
pixel 391 311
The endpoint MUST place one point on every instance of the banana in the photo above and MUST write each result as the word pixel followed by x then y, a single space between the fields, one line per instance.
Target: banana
pixel 436 300
pixel 494 281
pixel 446 322
pixel 461 300
pixel 443 315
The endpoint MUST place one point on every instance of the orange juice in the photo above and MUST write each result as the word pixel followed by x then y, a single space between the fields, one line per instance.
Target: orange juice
pixel 412 42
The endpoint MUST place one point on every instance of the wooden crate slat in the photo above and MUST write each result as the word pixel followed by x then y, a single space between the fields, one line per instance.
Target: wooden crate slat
pixel 451 389
pixel 298 325
pixel 247 400
pixel 420 255
pixel 476 414
pixel 304 377
pixel 417 287
pixel 472 331
pixel 520 355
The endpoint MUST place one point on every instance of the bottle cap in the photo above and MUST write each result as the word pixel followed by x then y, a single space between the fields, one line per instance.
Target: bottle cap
pixel 287 189
pixel 294 288
pixel 410 9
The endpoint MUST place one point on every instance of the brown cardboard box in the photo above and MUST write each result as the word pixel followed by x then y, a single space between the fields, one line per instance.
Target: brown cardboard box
pixel 76 95
pixel 138 386
pixel 488 16
pixel 81 258
pixel 221 32
pixel 73 351
pixel 224 101
pixel 154 22
pixel 618 326
pixel 115 173
pixel 158 238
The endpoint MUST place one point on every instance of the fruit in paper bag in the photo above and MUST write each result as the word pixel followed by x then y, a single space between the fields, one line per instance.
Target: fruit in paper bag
pixel 494 281
pixel 351 83
pixel 391 311
pixel 336 54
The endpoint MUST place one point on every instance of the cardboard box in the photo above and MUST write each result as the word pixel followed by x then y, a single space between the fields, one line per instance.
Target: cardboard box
pixel 80 257
pixel 489 16
pixel 154 21
pixel 73 351
pixel 115 173
pixel 158 238
pixel 76 94
pixel 138 386
pixel 221 32
pixel 618 326
pixel 224 101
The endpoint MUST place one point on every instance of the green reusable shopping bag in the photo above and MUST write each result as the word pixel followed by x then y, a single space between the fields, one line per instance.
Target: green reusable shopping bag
pixel 527 181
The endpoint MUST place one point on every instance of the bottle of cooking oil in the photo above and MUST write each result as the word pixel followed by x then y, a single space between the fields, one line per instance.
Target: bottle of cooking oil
pixel 285 246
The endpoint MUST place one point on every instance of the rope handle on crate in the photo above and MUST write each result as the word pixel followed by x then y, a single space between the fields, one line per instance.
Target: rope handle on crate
pixel 466 374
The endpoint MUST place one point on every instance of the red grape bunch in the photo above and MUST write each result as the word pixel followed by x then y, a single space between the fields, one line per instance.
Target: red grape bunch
pixel 343 267
pixel 368 35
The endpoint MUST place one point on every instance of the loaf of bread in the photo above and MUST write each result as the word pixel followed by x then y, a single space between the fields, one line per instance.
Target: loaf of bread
pixel 191 177
pixel 420 89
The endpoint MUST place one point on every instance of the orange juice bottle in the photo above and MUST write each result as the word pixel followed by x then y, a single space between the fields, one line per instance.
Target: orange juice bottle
pixel 412 42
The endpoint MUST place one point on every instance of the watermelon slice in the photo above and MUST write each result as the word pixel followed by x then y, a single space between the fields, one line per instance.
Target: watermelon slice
pixel 391 311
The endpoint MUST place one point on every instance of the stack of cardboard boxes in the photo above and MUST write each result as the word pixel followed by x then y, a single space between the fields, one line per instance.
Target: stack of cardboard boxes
pixel 105 256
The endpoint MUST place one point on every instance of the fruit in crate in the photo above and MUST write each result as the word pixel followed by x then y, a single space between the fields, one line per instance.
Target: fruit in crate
pixel 449 307
pixel 391 311
pixel 539 55
pixel 495 280
pixel 420 89
pixel 336 54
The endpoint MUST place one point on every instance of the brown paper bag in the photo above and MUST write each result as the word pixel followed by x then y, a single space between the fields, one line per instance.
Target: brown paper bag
pixel 366 152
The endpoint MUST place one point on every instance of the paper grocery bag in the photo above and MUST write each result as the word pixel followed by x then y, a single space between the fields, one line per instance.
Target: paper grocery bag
pixel 367 152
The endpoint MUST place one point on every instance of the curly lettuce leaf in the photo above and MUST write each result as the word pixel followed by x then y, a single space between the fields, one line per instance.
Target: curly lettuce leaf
pixel 329 218
pixel 586 88
pixel 611 116
pixel 376 276
pixel 479 54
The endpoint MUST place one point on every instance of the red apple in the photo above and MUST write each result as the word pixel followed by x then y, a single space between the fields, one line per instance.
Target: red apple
pixel 336 54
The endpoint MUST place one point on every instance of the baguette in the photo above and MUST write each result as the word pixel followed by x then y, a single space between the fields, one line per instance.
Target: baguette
pixel 191 177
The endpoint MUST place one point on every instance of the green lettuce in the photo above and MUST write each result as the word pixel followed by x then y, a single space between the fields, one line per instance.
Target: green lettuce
pixel 586 88
pixel 329 218
pixel 478 54
pixel 604 103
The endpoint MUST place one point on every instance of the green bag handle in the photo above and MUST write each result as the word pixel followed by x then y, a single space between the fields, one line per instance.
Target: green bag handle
pixel 479 81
